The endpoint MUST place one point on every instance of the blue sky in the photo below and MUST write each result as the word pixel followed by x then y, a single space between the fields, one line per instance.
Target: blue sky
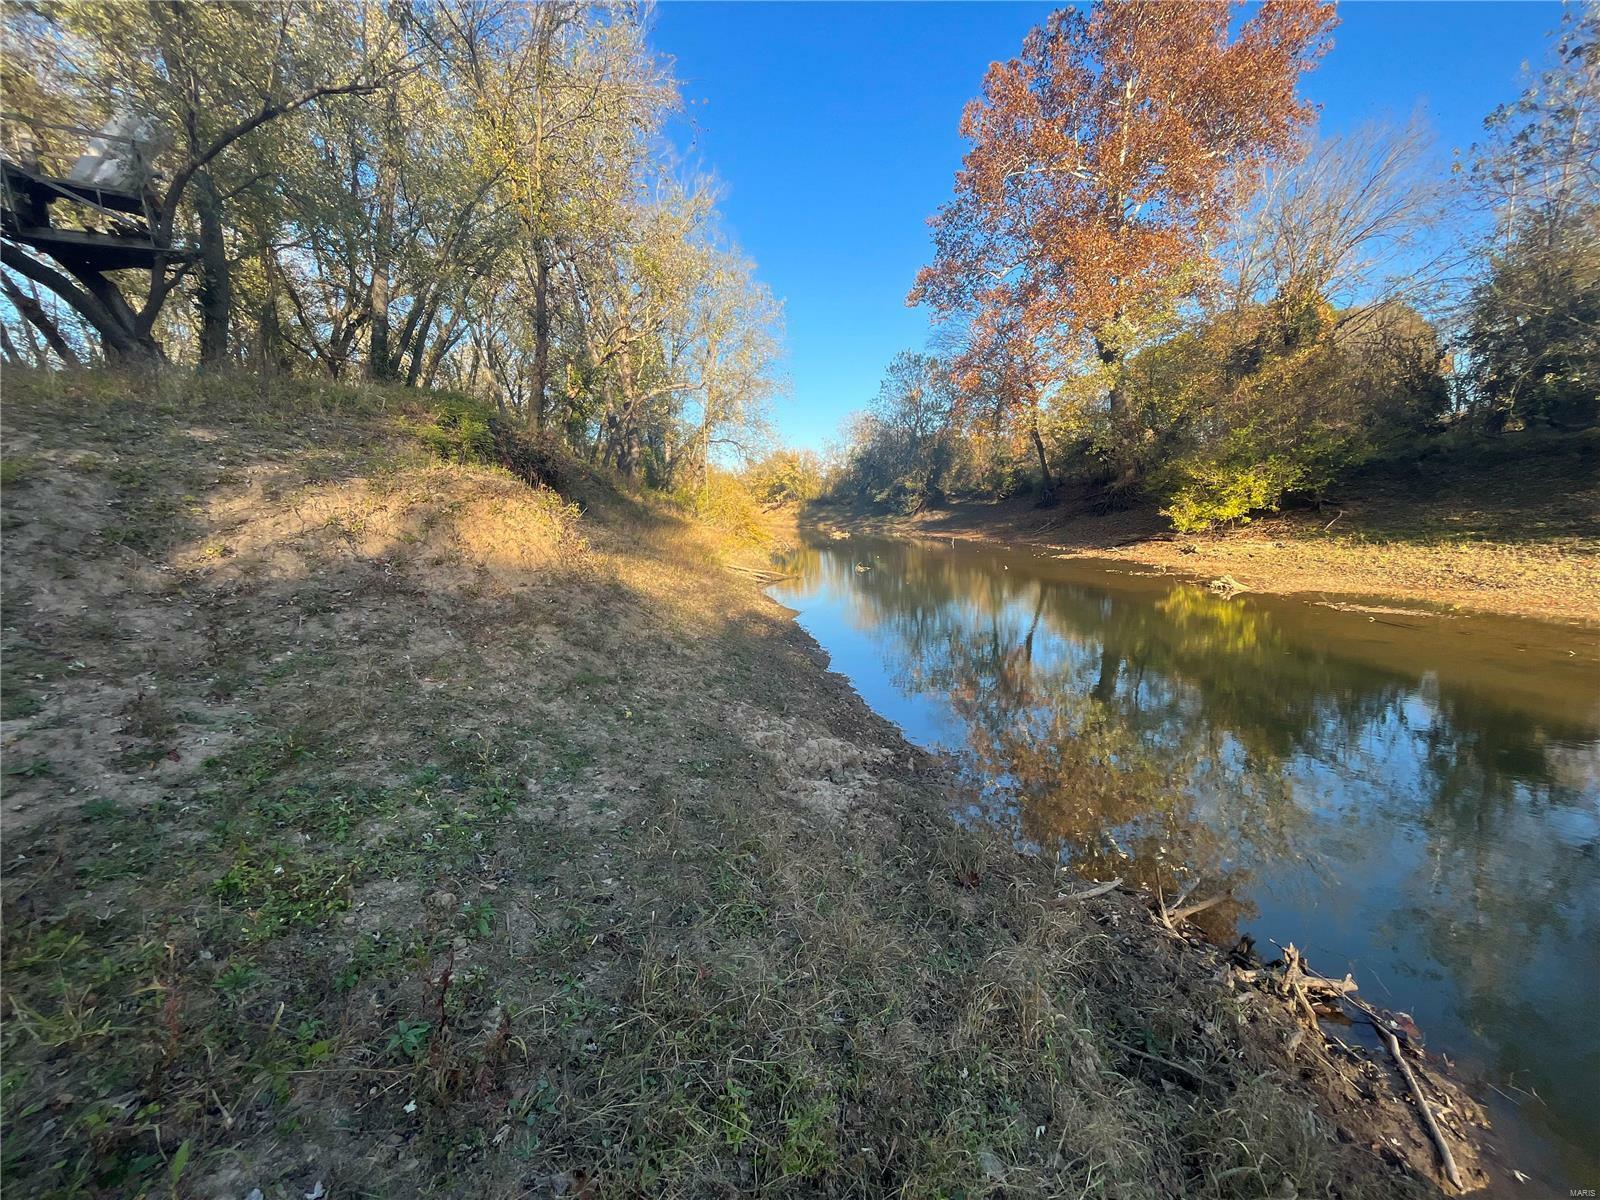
pixel 833 128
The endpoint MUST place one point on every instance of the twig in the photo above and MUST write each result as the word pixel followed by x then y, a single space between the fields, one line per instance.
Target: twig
pixel 1445 1156
pixel 1188 890
pixel 1156 1058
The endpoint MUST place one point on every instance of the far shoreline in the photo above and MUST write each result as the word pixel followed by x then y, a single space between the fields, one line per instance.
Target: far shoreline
pixel 1286 554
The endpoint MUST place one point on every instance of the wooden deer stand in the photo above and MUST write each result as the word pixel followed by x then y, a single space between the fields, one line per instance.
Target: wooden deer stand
pixel 109 180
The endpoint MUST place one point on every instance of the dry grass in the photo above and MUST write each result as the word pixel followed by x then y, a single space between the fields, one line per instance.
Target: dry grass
pixel 383 823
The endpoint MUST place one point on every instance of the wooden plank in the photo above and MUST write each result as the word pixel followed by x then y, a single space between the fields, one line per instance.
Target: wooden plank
pixel 101 251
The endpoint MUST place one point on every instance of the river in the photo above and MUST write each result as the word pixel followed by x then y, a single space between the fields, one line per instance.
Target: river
pixel 1412 797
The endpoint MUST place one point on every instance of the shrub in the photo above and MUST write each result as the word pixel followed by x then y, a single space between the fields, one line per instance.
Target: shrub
pixel 456 428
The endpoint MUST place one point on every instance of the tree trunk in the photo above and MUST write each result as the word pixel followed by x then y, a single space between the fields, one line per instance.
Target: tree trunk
pixel 9 349
pixel 35 315
pixel 541 331
pixel 271 346
pixel 628 450
pixel 446 342
pixel 705 449
pixel 94 298
pixel 1111 356
pixel 379 366
pixel 1047 483
pixel 216 281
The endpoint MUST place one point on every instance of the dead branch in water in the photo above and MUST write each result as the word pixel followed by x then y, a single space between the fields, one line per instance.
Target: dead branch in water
pixel 1344 991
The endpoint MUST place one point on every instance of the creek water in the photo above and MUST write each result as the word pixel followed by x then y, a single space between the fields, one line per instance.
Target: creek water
pixel 1412 797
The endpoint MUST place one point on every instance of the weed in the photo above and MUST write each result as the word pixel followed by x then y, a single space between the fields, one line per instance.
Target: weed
pixel 409 1041
pixel 17 702
pixel 275 895
pixel 15 468
pixel 478 919
pixel 237 978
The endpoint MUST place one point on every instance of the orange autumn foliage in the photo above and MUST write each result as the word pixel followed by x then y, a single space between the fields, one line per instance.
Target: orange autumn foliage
pixel 1108 158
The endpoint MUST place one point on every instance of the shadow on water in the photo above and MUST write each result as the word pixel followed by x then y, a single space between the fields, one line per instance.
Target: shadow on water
pixel 1412 797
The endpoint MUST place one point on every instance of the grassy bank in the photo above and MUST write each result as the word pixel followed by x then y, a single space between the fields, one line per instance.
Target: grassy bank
pixel 1510 526
pixel 385 822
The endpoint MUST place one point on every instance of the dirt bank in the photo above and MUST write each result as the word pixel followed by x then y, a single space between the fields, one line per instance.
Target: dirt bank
pixel 1512 528
pixel 381 825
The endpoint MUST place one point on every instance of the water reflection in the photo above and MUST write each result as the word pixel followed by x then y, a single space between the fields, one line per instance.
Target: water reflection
pixel 1414 797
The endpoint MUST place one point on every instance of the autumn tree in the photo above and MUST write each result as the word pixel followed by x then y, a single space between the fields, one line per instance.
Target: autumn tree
pixel 1106 160
pixel 1001 373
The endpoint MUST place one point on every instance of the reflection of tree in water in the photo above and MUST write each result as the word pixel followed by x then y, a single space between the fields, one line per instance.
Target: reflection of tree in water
pixel 1081 746
pixel 1168 727
pixel 1509 905
pixel 1136 730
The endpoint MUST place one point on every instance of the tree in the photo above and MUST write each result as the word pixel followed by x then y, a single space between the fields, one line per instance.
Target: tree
pixel 1106 161
pixel 903 447
pixel 739 330
pixel 1347 223
pixel 473 191
pixel 210 77
pixel 1533 319
pixel 1001 374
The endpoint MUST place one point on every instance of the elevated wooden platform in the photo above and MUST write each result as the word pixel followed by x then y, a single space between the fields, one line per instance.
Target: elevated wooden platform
pixel 25 218
pixel 100 251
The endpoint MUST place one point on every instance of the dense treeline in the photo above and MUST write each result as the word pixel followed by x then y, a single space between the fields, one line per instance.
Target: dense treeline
pixel 1153 280
pixel 473 194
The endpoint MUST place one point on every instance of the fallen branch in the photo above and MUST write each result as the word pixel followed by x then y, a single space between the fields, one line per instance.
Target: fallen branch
pixel 1156 1058
pixel 1188 890
pixel 1312 983
pixel 1445 1156
pixel 764 576
pixel 1183 914
pixel 1064 898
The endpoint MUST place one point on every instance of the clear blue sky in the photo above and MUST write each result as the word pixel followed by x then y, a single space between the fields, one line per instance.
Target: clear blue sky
pixel 833 128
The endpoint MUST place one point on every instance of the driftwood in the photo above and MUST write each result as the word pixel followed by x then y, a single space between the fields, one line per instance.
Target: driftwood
pixel 1183 914
pixel 1315 984
pixel 1344 991
pixel 1169 917
pixel 756 573
pixel 1440 1144
pixel 1065 898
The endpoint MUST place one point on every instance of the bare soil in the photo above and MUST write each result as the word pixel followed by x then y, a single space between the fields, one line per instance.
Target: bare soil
pixel 388 826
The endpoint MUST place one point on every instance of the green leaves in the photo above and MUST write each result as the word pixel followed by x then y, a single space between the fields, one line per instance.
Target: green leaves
pixel 178 1162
